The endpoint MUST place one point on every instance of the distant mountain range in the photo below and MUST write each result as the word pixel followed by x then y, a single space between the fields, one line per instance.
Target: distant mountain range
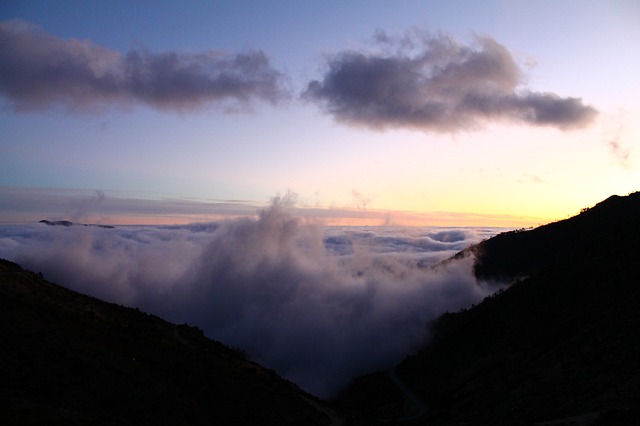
pixel 559 346
pixel 69 223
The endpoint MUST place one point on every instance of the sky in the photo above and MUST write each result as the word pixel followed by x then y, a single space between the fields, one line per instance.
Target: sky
pixel 500 113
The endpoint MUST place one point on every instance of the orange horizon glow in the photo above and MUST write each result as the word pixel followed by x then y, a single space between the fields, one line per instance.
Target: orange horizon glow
pixel 319 216
pixel 113 209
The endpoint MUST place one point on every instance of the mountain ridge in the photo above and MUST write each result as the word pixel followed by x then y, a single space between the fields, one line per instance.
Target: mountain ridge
pixel 69 223
pixel 563 341
pixel 512 255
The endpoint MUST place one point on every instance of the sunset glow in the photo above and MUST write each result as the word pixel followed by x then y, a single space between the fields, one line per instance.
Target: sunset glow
pixel 410 114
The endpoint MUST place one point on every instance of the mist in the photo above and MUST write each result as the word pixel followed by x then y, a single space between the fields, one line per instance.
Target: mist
pixel 320 305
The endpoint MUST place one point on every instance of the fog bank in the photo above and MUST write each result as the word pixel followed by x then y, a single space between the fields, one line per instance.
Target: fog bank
pixel 319 305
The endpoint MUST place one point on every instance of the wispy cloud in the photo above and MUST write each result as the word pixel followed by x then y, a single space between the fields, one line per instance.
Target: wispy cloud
pixel 360 200
pixel 530 178
pixel 39 70
pixel 434 83
pixel 620 152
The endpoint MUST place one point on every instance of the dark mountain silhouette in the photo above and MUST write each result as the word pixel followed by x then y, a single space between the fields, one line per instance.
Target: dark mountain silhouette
pixel 69 223
pixel 66 358
pixel 604 230
pixel 561 344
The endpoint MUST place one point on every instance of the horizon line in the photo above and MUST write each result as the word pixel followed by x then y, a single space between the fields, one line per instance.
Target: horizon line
pixel 24 205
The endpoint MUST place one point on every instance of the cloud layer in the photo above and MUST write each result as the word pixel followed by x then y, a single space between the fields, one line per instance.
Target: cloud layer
pixel 38 70
pixel 433 83
pixel 320 306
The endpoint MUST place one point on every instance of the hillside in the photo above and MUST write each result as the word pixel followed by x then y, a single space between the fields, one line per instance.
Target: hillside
pixel 601 233
pixel 72 359
pixel 562 342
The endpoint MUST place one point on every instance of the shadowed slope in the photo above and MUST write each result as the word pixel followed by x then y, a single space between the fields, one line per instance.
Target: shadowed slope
pixel 72 359
pixel 603 230
pixel 563 342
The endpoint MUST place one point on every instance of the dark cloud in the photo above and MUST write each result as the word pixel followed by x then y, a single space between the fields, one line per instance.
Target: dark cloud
pixel 319 305
pixel 433 83
pixel 38 70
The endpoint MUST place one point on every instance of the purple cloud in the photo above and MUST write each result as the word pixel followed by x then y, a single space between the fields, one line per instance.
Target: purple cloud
pixel 433 83
pixel 39 70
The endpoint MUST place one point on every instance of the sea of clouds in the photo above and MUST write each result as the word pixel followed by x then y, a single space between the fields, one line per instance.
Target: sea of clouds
pixel 320 305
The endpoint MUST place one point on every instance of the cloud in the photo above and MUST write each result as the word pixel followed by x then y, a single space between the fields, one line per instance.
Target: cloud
pixel 620 152
pixel 433 83
pixel 39 70
pixel 530 178
pixel 618 139
pixel 319 305
pixel 360 200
